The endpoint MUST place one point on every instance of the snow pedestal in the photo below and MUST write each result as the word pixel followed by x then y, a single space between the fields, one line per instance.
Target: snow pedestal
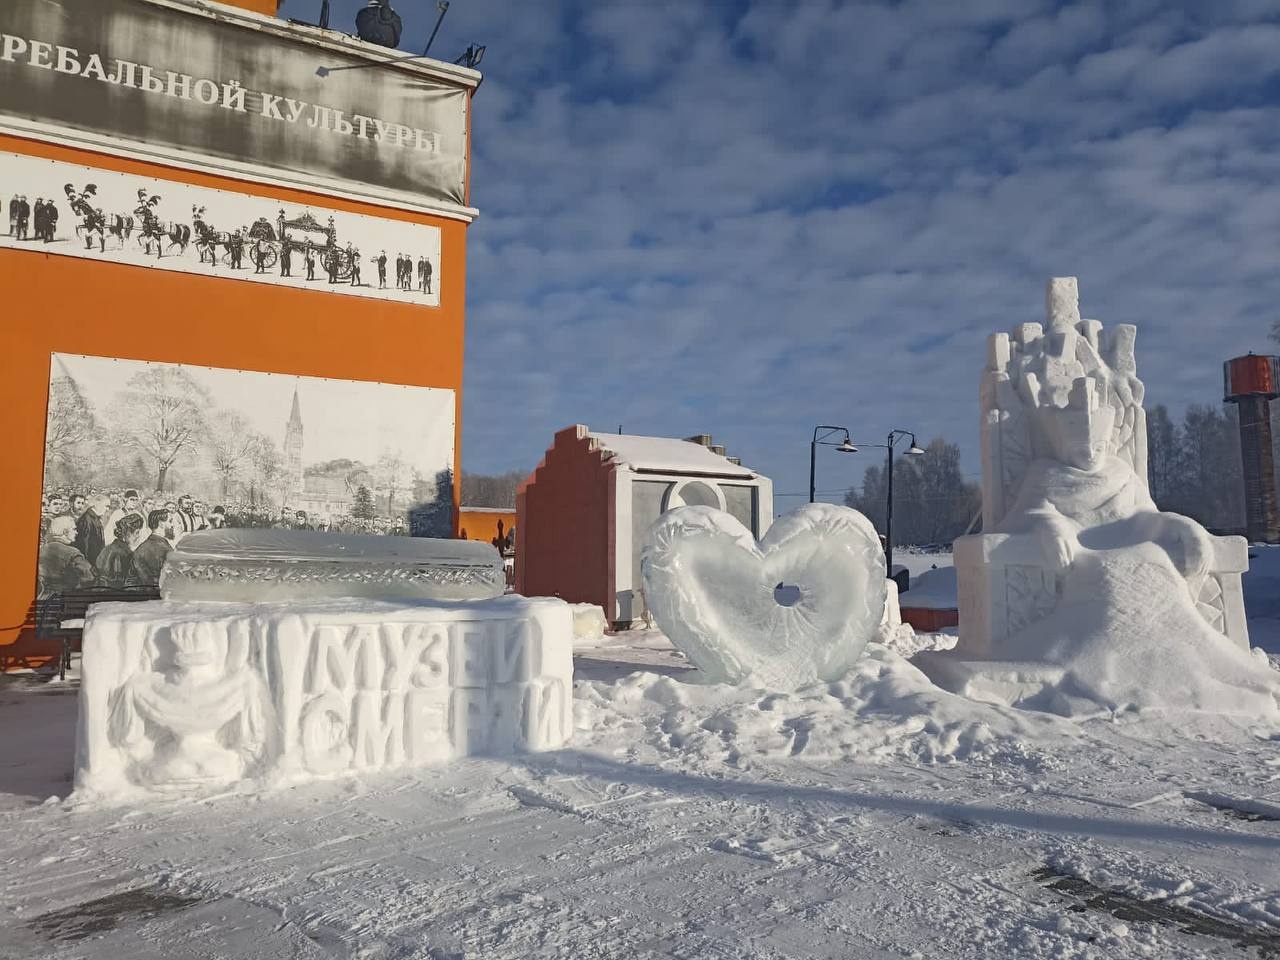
pixel 1009 682
pixel 589 622
pixel 243 565
pixel 1117 629
pixel 179 695
pixel 892 617
pixel 1005 586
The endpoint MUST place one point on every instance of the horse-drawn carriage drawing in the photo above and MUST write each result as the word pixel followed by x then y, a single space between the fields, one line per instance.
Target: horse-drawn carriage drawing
pixel 292 241
pixel 302 247
pixel 154 232
pixel 94 223
pixel 209 238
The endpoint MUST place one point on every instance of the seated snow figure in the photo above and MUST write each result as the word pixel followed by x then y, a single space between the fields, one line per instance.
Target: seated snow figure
pixel 1088 594
pixel 1083 494
pixel 198 715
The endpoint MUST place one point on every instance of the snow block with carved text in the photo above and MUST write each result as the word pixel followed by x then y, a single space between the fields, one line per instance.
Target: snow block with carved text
pixel 177 696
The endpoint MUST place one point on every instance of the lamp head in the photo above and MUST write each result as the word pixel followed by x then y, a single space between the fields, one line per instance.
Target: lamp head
pixel 914 450
pixel 847 447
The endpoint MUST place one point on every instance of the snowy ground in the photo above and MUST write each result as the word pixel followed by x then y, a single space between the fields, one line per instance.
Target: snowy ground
pixel 918 561
pixel 874 817
pixel 877 817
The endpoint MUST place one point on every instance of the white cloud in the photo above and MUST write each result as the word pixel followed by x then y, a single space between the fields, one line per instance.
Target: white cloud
pixel 697 217
pixel 1233 58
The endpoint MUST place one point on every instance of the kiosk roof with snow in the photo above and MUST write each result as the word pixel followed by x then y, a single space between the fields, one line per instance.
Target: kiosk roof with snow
pixel 666 455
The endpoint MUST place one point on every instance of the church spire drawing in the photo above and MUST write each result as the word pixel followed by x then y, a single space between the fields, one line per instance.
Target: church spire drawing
pixel 293 449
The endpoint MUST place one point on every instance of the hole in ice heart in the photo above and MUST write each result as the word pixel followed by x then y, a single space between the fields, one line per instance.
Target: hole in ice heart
pixel 787 594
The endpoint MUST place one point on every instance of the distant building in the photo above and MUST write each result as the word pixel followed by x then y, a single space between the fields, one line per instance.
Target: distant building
pixel 321 498
pixel 482 523
pixel 293 451
pixel 583 514
pixel 324 498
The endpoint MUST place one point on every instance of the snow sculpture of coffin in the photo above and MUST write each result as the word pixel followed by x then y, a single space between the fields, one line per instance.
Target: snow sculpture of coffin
pixel 262 564
pixel 178 696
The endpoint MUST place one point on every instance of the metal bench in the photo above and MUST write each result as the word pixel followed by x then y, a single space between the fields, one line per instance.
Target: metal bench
pixel 54 626
pixel 32 647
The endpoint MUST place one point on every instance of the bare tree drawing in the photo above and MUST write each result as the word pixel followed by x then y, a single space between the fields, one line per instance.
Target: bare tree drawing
pixel 265 468
pixel 232 444
pixel 70 420
pixel 162 413
pixel 162 429
pixel 392 476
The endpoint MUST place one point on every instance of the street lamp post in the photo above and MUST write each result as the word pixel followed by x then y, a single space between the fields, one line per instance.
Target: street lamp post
pixel 843 446
pixel 912 451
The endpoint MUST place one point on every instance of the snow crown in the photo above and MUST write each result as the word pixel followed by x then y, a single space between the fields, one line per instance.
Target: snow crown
pixel 195 643
pixel 1044 381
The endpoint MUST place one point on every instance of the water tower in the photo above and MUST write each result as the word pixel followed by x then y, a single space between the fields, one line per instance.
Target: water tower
pixel 1251 383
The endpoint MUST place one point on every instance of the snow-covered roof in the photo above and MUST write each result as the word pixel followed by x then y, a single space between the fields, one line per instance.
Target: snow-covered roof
pixel 932 590
pixel 666 455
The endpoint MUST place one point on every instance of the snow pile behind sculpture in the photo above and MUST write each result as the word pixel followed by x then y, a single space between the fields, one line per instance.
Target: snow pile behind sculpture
pixel 1082 595
pixel 882 709
pixel 798 607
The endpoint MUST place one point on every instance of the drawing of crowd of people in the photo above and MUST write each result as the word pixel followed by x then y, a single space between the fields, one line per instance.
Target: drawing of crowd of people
pixel 295 249
pixel 36 223
pixel 120 538
pixel 405 272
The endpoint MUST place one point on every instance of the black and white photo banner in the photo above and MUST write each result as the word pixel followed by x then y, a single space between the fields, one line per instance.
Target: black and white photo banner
pixel 171 449
pixel 77 211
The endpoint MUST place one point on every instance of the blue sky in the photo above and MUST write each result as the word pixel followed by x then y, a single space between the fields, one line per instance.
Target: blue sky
pixel 748 218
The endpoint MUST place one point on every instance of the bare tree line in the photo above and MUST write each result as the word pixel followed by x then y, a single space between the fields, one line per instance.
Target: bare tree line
pixel 932 501
pixel 1194 467
pixel 483 490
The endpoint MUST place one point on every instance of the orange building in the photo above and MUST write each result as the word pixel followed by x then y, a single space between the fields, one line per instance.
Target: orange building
pixel 481 523
pixel 274 164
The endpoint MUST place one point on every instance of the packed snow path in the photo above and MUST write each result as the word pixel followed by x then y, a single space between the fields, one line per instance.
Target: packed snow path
pixel 687 822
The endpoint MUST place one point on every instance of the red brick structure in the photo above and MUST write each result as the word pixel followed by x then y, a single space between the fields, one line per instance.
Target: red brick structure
pixel 928 619
pixel 562 509
pixel 582 515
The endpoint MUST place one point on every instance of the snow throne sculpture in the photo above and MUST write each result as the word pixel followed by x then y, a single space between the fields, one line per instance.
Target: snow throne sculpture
pixel 1089 594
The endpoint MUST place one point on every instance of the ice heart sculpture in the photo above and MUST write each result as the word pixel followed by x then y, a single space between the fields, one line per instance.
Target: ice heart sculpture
pixel 796 608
